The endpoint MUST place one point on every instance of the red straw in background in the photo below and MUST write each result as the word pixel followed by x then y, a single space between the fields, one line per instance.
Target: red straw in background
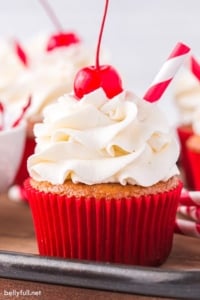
pixel 195 67
pixel 167 73
pixel 189 208
pixel 2 116
pixel 192 212
pixel 21 53
pixel 190 198
pixel 188 228
pixel 24 109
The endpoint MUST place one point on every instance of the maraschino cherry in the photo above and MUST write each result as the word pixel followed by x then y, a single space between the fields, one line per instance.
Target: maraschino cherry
pixel 91 78
pixel 60 39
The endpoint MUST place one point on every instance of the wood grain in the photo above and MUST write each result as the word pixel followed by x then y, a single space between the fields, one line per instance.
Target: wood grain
pixel 17 234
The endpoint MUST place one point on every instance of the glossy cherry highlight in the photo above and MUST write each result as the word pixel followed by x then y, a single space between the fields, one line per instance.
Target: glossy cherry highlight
pixel 91 78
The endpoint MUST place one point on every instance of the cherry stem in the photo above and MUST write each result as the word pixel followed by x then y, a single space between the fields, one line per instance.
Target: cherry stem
pixel 101 33
pixel 51 14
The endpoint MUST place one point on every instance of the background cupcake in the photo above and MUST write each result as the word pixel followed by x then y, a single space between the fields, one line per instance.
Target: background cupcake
pixel 49 75
pixel 193 152
pixel 187 101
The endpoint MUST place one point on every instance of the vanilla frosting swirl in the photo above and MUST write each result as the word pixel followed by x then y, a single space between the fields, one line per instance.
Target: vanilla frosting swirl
pixel 187 96
pixel 97 140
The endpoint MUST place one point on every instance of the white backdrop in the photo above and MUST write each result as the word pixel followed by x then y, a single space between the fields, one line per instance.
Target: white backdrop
pixel 140 34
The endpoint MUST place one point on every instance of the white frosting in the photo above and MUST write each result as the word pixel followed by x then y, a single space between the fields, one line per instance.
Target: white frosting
pixel 96 140
pixel 187 96
pixel 44 84
pixel 79 55
pixel 36 45
pixel 50 75
pixel 10 65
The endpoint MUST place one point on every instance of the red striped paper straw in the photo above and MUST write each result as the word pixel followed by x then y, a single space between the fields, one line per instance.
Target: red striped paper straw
pixel 188 228
pixel 167 73
pixel 191 212
pixel 195 67
pixel 189 198
pixel 188 214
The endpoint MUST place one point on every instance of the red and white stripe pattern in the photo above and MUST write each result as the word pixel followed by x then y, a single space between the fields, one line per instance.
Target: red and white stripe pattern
pixel 187 227
pixel 193 212
pixel 189 209
pixel 195 67
pixel 190 198
pixel 167 73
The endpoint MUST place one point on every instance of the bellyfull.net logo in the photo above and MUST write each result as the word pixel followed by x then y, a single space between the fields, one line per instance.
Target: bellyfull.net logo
pixel 21 293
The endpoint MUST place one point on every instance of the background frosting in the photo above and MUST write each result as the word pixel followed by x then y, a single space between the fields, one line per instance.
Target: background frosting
pixel 187 96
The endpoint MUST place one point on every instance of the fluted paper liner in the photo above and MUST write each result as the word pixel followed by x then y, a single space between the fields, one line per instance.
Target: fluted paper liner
pixel 128 230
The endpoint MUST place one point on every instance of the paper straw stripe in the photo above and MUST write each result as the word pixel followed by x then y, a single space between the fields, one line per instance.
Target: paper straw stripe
pixel 167 73
pixel 190 198
pixel 192 212
pixel 156 90
pixel 188 228
pixel 180 49
pixel 169 69
pixel 21 53
pixel 195 67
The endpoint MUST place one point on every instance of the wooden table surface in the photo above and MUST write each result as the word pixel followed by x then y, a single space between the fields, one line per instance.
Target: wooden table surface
pixel 17 234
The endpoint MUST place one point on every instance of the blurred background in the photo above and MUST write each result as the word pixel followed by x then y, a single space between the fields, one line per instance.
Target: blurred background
pixel 139 34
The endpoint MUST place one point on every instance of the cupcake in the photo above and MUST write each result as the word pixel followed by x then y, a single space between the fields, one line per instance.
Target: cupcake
pixel 187 101
pixel 193 151
pixel 103 183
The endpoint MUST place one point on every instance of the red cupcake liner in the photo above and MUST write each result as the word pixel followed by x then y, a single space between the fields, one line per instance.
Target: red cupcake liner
pixel 22 173
pixel 137 230
pixel 194 161
pixel 183 134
